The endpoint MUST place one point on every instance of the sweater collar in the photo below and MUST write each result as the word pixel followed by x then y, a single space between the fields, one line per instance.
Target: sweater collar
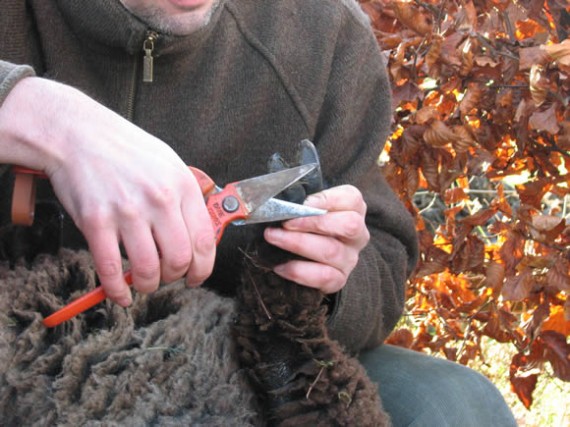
pixel 104 24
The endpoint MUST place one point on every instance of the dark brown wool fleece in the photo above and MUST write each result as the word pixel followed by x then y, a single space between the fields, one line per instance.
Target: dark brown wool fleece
pixel 304 378
pixel 167 360
pixel 170 358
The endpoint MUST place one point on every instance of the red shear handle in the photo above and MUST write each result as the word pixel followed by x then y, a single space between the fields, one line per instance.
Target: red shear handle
pixel 81 304
pixel 97 295
pixel 225 207
pixel 206 183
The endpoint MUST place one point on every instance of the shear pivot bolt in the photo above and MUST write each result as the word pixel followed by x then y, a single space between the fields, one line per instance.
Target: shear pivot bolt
pixel 230 204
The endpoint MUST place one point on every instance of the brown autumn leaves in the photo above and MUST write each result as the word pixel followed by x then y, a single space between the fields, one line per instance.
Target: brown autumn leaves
pixel 481 91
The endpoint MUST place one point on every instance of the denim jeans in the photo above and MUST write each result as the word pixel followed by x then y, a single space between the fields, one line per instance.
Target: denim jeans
pixel 420 390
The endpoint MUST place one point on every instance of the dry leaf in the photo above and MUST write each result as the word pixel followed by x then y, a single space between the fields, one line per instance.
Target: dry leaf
pixel 523 383
pixel 538 85
pixel 559 52
pixel 557 353
pixel 438 134
pixel 549 225
pixel 517 288
pixel 533 55
pixel 563 137
pixel 556 321
pixel 432 58
pixel 494 275
pixel 472 99
pixel 466 56
pixel 528 28
pixel 466 19
pixel 412 17
pixel 464 140
pixel 454 195
pixel 480 217
pixel 558 275
pixel 401 337
pixel 545 120
pixel 532 192
pixel 427 114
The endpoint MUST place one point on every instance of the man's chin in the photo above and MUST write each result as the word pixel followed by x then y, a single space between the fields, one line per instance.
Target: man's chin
pixel 189 5
pixel 175 17
pixel 184 23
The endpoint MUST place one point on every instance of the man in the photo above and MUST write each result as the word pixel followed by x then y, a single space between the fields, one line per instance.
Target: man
pixel 118 96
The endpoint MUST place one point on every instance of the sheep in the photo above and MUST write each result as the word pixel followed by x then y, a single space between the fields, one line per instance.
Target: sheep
pixel 169 359
pixel 179 356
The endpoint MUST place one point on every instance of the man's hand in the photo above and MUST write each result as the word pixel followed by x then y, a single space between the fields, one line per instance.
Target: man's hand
pixel 331 243
pixel 120 185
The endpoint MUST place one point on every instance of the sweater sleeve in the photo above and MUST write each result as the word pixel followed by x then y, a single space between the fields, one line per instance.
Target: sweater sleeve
pixel 10 75
pixel 353 125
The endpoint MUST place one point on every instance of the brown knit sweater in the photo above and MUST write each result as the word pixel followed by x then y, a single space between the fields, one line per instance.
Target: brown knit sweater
pixel 259 78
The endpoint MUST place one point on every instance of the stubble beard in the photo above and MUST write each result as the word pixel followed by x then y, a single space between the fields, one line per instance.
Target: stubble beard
pixel 181 25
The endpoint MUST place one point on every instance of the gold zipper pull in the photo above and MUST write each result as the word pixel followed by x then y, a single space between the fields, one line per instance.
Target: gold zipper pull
pixel 148 59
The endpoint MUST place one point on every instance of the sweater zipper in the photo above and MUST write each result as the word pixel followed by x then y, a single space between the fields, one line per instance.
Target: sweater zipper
pixel 148 71
pixel 148 59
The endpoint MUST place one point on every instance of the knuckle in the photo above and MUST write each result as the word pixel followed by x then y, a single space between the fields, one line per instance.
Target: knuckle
pixel 108 268
pixel 203 256
pixel 199 273
pixel 197 276
pixel 354 226
pixel 331 280
pixel 319 200
pixel 356 197
pixel 205 242
pixel 128 211
pixel 326 277
pixel 146 271
pixel 352 192
pixel 94 219
pixel 178 262
pixel 161 196
pixel 146 287
pixel 333 251
pixel 365 237
pixel 351 262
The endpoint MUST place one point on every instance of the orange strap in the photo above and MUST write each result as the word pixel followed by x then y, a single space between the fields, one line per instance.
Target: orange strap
pixel 24 199
pixel 24 194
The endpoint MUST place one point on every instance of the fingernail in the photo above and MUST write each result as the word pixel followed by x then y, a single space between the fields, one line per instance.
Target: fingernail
pixel 312 200
pixel 273 233
pixel 279 269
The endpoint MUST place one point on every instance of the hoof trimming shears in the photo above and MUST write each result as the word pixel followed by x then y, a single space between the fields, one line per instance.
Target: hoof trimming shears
pixel 242 202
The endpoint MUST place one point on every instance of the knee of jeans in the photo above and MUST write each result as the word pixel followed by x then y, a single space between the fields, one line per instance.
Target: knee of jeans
pixel 461 397
pixel 419 390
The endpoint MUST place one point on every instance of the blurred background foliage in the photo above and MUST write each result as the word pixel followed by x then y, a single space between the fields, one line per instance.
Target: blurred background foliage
pixel 480 155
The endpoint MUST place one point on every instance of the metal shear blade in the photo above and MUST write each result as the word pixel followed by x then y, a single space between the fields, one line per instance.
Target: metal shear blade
pixel 257 191
pixel 279 210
